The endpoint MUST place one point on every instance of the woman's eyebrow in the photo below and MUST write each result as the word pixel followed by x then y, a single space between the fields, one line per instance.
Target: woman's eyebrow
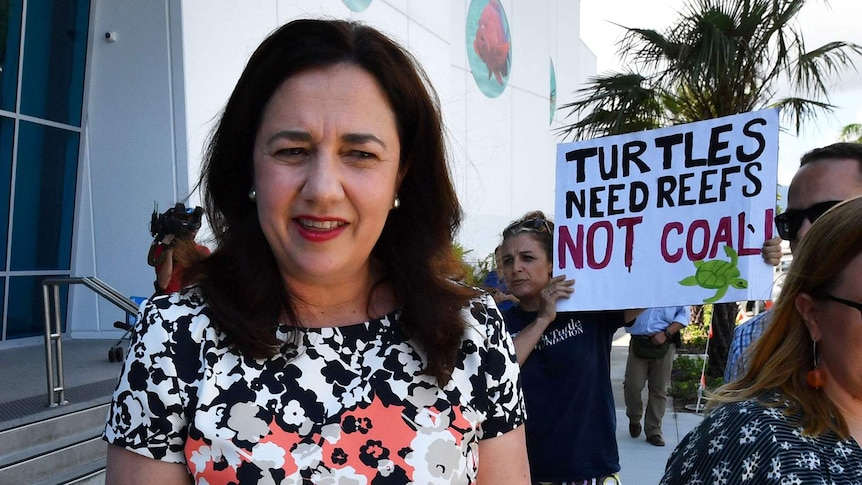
pixel 293 135
pixel 362 138
pixel 354 138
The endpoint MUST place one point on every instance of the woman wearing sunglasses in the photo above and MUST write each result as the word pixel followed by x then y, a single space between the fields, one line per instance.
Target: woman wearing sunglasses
pixel 795 416
pixel 565 364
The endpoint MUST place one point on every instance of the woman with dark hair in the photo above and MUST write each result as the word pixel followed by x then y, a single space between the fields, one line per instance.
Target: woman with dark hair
pixel 795 415
pixel 565 363
pixel 323 340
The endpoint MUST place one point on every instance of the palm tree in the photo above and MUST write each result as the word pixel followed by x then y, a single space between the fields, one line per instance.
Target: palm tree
pixel 851 133
pixel 718 58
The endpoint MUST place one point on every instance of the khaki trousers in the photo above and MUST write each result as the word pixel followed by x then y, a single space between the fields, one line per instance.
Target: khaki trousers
pixel 655 373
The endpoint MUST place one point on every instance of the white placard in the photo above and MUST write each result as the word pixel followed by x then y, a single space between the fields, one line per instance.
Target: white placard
pixel 672 216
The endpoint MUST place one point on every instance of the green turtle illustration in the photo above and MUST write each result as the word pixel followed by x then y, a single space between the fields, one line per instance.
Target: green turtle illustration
pixel 717 275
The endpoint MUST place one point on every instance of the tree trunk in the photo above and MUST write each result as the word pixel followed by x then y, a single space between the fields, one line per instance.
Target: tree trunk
pixel 723 323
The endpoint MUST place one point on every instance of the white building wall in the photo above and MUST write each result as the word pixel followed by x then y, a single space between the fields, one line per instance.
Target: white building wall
pixel 502 148
pixel 133 152
pixel 154 95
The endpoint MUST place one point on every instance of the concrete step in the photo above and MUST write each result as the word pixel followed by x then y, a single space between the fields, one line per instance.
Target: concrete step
pixel 60 449
pixel 95 478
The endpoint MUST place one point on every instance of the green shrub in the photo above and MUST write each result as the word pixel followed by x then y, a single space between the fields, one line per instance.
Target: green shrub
pixel 685 380
pixel 694 338
pixel 473 272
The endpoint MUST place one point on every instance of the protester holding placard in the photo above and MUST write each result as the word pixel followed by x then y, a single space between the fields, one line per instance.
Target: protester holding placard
pixel 565 363
pixel 795 415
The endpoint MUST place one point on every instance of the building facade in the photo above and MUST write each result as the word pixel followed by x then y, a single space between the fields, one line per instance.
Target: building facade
pixel 105 107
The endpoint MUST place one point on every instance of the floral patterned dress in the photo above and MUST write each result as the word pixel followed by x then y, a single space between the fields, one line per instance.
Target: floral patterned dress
pixel 351 404
pixel 749 442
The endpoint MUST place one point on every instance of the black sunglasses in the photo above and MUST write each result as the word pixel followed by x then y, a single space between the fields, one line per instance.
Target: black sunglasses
pixel 530 225
pixel 789 221
pixel 851 304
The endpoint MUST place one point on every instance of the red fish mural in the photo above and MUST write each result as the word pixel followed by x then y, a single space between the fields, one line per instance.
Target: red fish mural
pixel 492 41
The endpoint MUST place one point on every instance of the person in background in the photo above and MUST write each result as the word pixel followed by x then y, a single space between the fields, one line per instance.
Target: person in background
pixel 565 363
pixel 495 284
pixel 174 248
pixel 795 415
pixel 825 177
pixel 324 340
pixel 654 337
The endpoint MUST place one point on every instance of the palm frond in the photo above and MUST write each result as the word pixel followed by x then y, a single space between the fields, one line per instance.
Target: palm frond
pixel 718 57
pixel 613 104
pixel 798 110
pixel 851 133
pixel 814 69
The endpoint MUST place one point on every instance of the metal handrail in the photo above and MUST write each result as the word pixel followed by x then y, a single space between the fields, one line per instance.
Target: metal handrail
pixel 53 336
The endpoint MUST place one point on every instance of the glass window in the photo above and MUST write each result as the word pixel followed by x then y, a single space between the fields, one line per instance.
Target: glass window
pixel 45 179
pixel 26 317
pixel 7 135
pixel 10 41
pixel 55 48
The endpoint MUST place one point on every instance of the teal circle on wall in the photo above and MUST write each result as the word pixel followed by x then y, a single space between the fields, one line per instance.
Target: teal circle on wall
pixel 489 46
pixel 357 5
pixel 553 91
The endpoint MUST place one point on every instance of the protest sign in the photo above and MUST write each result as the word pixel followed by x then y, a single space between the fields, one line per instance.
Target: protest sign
pixel 666 217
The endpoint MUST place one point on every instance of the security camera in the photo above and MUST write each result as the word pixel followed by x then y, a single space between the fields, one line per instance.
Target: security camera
pixel 111 36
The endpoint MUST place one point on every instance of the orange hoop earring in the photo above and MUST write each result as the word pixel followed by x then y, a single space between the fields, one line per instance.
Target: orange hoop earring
pixel 816 378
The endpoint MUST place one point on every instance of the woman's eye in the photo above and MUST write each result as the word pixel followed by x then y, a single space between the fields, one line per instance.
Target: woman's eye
pixel 361 155
pixel 290 152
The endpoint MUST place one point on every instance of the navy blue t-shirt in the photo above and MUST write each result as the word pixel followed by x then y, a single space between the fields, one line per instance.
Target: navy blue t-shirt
pixel 571 419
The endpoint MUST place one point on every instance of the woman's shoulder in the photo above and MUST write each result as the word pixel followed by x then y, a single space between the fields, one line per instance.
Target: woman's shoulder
pixel 768 409
pixel 481 309
pixel 185 302
pixel 756 439
pixel 483 317
pixel 179 314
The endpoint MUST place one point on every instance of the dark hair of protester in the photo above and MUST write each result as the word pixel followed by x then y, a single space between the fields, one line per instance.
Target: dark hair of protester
pixel 534 218
pixel 836 151
pixel 241 280
pixel 783 356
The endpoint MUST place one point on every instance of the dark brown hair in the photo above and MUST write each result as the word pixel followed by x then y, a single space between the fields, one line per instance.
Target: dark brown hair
pixel 544 238
pixel 241 282
pixel 835 151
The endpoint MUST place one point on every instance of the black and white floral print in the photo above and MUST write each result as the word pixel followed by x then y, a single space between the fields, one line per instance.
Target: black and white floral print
pixel 749 442
pixel 352 404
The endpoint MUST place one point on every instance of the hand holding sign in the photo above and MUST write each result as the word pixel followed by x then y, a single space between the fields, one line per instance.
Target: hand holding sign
pixel 558 288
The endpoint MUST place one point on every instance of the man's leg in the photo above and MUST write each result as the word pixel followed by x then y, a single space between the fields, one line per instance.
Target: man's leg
pixel 658 377
pixel 633 385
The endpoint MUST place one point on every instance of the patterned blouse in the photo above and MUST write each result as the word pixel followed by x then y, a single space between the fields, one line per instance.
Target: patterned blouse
pixel 352 403
pixel 749 442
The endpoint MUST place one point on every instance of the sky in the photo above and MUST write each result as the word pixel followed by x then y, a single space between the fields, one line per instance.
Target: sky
pixel 819 21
